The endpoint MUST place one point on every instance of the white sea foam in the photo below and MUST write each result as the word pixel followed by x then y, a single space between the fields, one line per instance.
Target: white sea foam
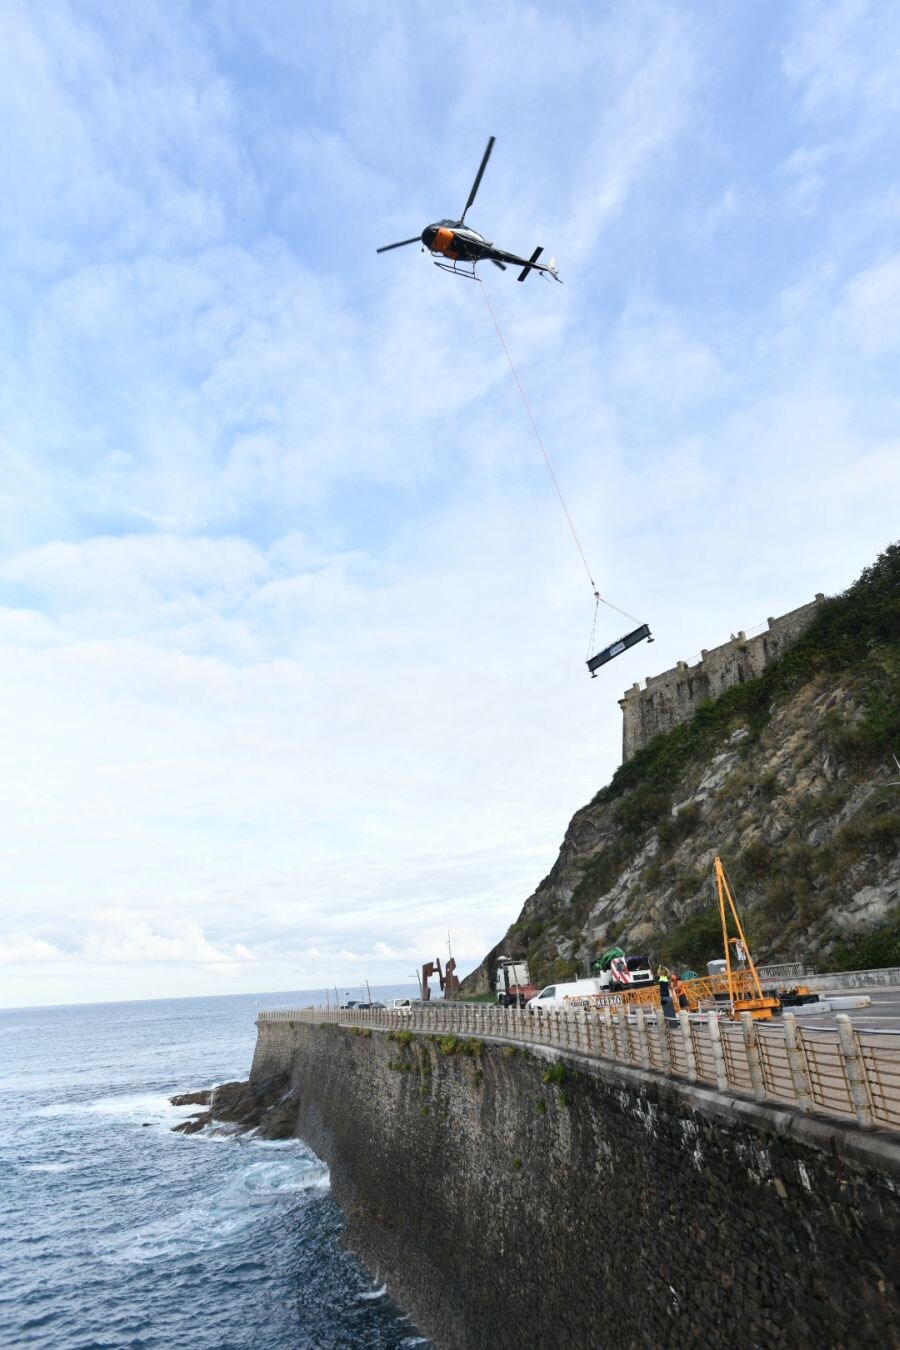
pixel 228 1213
pixel 219 1132
pixel 130 1107
pixel 273 1180
pixel 60 1109
pixel 373 1294
pixel 49 1167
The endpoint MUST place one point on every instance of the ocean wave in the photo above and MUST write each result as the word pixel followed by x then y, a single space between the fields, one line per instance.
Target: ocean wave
pixel 49 1167
pixel 266 1181
pixel 133 1107
pixel 225 1215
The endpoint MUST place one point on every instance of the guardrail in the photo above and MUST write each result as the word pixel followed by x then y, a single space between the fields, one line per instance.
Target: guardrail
pixel 845 1072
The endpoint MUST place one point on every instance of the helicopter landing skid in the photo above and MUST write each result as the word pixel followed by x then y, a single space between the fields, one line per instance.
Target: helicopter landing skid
pixel 457 269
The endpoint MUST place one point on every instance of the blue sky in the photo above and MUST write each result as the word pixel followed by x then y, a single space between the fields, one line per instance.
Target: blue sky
pixel 292 628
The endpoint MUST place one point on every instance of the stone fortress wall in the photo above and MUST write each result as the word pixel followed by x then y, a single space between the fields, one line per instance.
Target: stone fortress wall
pixel 673 697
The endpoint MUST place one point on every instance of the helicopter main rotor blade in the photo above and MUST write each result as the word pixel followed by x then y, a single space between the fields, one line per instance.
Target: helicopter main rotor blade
pixel 400 244
pixel 478 177
pixel 501 265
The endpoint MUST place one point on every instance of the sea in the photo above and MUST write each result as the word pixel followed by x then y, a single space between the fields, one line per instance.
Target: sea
pixel 115 1232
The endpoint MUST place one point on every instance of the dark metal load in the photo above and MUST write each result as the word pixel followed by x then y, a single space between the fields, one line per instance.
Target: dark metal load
pixel 615 648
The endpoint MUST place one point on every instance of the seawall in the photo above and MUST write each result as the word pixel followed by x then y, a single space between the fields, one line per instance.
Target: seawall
pixel 516 1197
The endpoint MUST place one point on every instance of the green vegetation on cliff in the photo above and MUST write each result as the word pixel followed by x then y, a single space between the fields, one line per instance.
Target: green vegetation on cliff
pixel 784 776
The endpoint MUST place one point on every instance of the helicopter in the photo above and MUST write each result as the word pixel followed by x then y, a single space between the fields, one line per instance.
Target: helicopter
pixel 458 242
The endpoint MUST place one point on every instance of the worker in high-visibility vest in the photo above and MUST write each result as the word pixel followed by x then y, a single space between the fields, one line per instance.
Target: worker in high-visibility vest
pixel 665 996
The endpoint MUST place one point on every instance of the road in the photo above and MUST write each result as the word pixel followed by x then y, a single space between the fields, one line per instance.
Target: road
pixel 883 1012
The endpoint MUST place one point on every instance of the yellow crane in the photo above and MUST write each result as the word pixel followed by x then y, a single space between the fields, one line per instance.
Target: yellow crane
pixel 742 984
pixel 742 999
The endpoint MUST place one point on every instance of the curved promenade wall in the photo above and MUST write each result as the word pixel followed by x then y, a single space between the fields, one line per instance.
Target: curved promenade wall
pixel 511 1196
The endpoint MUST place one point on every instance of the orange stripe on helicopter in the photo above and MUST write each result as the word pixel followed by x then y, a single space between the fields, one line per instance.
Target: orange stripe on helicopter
pixel 442 243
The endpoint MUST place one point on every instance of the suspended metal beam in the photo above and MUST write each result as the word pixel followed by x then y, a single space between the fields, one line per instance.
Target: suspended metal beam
pixel 616 648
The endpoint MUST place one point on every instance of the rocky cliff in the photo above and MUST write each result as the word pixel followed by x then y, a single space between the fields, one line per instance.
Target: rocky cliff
pixel 788 777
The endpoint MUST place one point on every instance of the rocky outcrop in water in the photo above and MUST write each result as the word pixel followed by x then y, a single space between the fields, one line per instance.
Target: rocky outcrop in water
pixel 268 1107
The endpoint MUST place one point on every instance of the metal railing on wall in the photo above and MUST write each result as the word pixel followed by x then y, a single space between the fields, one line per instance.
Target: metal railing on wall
pixel 840 1071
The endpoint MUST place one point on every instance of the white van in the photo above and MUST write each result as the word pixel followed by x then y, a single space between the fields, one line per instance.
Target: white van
pixel 557 995
pixel 406 1005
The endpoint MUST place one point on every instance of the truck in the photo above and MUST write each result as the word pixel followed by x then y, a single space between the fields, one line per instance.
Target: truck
pixel 512 982
pixel 615 970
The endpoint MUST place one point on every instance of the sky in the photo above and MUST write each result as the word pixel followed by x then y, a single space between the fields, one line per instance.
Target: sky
pixel 292 626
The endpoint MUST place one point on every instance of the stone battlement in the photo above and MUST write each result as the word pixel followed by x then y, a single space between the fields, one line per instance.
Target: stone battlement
pixel 673 697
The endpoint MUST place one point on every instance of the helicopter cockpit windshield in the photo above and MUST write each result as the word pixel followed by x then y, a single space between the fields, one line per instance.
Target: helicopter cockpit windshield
pixel 462 228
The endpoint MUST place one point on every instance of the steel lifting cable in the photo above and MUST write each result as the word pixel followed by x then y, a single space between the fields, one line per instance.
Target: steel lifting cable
pixel 537 435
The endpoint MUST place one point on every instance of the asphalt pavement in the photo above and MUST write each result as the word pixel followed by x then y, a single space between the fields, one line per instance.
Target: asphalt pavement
pixel 883 1012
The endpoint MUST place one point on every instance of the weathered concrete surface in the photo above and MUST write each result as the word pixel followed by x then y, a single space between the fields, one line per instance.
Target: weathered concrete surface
pixel 611 1208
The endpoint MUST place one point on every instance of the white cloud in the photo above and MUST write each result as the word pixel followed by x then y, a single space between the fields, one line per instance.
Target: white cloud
pixel 871 307
pixel 126 943
pixel 26 950
pixel 844 56
pixel 804 174
pixel 653 357
pixel 137 571
pixel 27 628
pixel 729 206
pixel 185 943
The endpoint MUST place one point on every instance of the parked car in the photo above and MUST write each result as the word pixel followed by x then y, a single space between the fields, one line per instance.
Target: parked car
pixel 406 1005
